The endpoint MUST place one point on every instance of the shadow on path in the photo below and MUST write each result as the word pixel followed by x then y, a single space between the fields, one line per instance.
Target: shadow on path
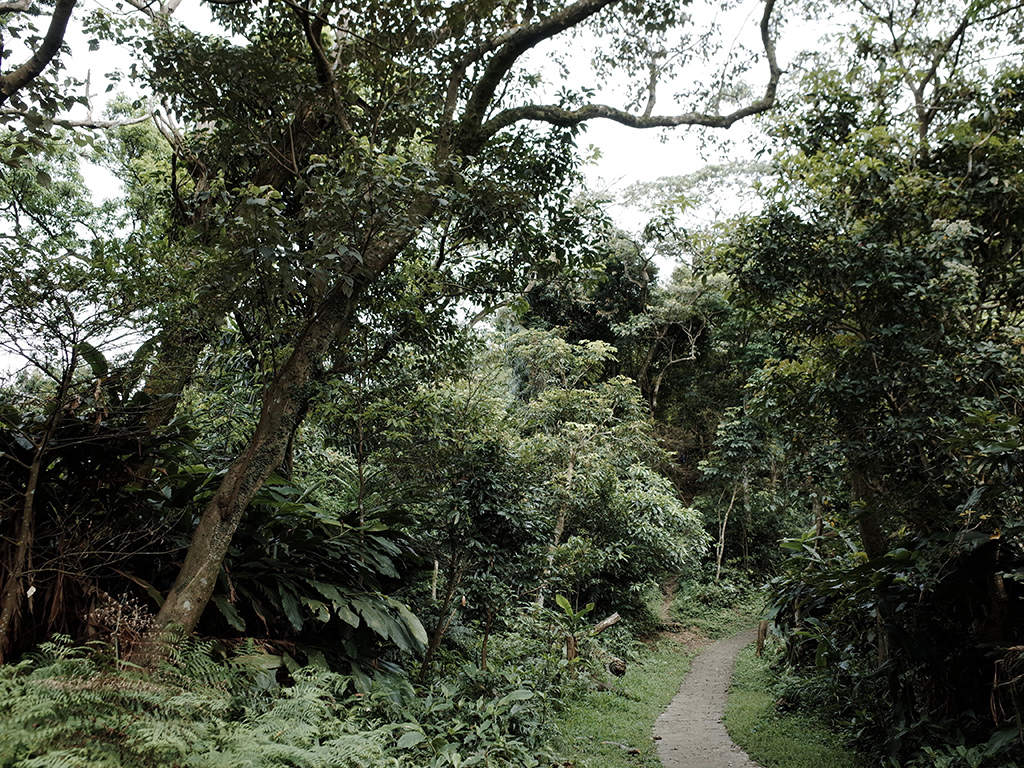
pixel 690 732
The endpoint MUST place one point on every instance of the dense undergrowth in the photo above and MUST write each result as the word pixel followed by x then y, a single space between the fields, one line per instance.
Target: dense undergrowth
pixel 78 706
pixel 75 706
pixel 81 706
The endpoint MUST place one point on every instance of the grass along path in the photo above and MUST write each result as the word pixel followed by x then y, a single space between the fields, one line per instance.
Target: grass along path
pixel 774 739
pixel 615 730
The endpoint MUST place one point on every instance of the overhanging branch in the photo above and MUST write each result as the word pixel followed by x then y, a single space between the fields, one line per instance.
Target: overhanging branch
pixel 43 55
pixel 511 45
pixel 555 115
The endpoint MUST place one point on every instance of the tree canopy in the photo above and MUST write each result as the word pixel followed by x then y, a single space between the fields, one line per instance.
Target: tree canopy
pixel 354 374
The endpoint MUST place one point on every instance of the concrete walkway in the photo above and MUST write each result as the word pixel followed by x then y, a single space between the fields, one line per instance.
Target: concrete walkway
pixel 690 732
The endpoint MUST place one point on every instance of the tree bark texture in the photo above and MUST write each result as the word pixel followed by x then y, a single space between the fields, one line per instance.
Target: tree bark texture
pixel 284 402
pixel 871 535
pixel 175 364
pixel 43 55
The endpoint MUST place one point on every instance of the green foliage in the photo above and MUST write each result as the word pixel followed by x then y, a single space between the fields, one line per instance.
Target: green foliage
pixel 67 706
pixel 717 609
pixel 479 718
pixel 329 570
pixel 902 629
pixel 615 522
pixel 883 420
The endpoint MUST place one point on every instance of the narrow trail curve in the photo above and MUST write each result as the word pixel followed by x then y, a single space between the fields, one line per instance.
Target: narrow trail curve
pixel 690 732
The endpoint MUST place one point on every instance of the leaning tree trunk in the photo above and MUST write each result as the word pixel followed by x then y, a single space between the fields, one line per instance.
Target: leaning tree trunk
pixel 284 405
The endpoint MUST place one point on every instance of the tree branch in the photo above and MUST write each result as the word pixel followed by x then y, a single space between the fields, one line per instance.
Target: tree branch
pixel 511 45
pixel 559 116
pixel 17 7
pixel 154 8
pixel 87 122
pixel 31 69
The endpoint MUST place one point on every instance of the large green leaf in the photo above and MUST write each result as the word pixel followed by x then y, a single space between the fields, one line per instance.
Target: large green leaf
pixel 229 612
pixel 290 606
pixel 96 360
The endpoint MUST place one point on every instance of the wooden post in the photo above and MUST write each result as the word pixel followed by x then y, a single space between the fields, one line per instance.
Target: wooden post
pixel 762 633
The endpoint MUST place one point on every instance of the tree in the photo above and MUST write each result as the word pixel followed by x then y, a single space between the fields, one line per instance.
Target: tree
pixel 612 521
pixel 889 279
pixel 72 409
pixel 901 64
pixel 334 162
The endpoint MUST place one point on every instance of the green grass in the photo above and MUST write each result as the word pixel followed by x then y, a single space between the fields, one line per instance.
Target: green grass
pixel 624 720
pixel 714 618
pixel 774 739
pixel 599 725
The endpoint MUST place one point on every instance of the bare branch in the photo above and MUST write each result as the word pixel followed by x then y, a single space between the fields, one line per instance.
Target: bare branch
pixel 652 85
pixel 510 44
pixel 555 115
pixel 146 6
pixel 31 69
pixel 312 27
pixel 87 122
pixel 154 8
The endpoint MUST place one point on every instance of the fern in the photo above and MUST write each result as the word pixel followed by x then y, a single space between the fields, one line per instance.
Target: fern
pixel 72 708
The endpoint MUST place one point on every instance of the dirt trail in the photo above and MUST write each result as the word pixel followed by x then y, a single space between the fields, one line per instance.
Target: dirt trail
pixel 690 731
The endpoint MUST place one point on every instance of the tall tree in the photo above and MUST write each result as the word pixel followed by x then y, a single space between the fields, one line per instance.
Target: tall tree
pixel 890 279
pixel 339 138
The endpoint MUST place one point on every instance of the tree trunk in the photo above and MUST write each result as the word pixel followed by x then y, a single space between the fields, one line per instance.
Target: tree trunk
pixel 444 618
pixel 14 590
pixel 175 363
pixel 748 520
pixel 871 536
pixel 874 543
pixel 284 404
pixel 722 526
pixel 571 648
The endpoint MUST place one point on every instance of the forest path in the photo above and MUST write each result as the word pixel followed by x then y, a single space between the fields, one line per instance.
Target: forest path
pixel 690 732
